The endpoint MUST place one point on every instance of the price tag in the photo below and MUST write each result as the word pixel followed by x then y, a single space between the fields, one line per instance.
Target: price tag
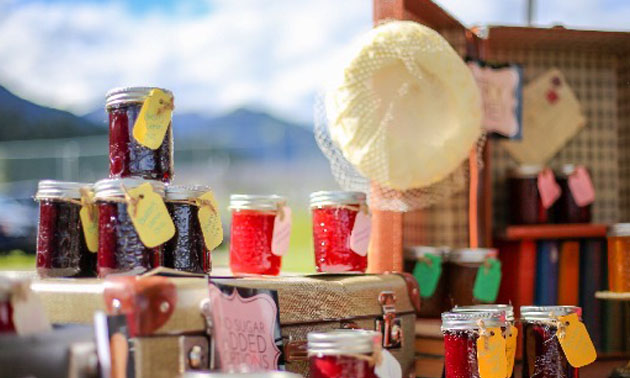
pixel 491 354
pixel 487 281
pixel 149 216
pixel 548 188
pixel 210 220
pixel 581 187
pixel 360 235
pixel 510 349
pixel 427 272
pixel 575 341
pixel 281 231
pixel 154 118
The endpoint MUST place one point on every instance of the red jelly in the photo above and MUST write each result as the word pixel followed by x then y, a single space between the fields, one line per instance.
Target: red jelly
pixel 186 250
pixel 461 331
pixel 342 353
pixel 251 234
pixel 126 156
pixel 542 354
pixel 334 214
pixel 119 245
pixel 61 248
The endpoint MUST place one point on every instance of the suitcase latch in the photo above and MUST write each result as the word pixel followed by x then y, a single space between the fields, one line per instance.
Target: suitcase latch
pixel 389 325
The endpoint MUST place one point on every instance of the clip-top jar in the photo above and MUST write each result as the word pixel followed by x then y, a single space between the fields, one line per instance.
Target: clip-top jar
pixel 524 203
pixel 187 249
pixel 119 245
pixel 461 331
pixel 463 265
pixel 251 233
pixel 619 257
pixel 127 157
pixel 438 302
pixel 567 210
pixel 542 354
pixel 334 214
pixel 343 353
pixel 61 246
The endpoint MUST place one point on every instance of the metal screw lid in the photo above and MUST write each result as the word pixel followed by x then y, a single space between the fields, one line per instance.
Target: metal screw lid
pixel 418 252
pixel 507 309
pixel 619 229
pixel 470 320
pixel 52 189
pixel 185 192
pixel 258 202
pixel 525 171
pixel 126 95
pixel 542 313
pixel 112 188
pixel 342 341
pixel 471 255
pixel 332 198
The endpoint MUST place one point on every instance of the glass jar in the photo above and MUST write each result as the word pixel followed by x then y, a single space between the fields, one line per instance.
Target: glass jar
pixel 127 157
pixel 61 247
pixel 119 245
pixel 438 302
pixel 524 202
pixel 461 331
pixel 542 354
pixel 619 257
pixel 462 267
pixel 343 353
pixel 568 210
pixel 187 249
pixel 251 234
pixel 334 214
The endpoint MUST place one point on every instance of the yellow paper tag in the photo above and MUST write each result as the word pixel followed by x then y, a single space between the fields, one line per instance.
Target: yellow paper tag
pixel 575 341
pixel 149 216
pixel 510 349
pixel 491 354
pixel 210 220
pixel 154 118
pixel 90 226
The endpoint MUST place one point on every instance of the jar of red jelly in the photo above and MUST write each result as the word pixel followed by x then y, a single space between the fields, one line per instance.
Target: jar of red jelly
pixel 334 214
pixel 61 247
pixel 119 245
pixel 251 233
pixel 461 331
pixel 187 249
pixel 462 268
pixel 524 202
pixel 127 157
pixel 438 302
pixel 568 210
pixel 343 353
pixel 542 354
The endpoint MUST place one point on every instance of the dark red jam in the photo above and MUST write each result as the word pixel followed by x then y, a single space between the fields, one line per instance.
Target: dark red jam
pixel 460 354
pixel 250 243
pixel 542 354
pixel 332 226
pixel 340 366
pixel 186 250
pixel 524 202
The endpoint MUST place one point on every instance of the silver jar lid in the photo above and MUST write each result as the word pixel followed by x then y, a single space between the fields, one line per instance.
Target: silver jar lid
pixel 126 95
pixel 525 171
pixel 332 198
pixel 341 341
pixel 110 188
pixel 185 192
pixel 258 202
pixel 471 255
pixel 543 313
pixel 419 251
pixel 619 229
pixel 567 169
pixel 52 189
pixel 470 320
pixel 260 374
pixel 507 309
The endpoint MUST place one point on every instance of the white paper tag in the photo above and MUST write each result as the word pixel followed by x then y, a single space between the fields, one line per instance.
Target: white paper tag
pixel 360 236
pixel 389 367
pixel 28 313
pixel 281 232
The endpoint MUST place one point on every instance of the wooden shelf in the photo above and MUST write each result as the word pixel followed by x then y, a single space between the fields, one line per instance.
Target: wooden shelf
pixel 612 296
pixel 555 231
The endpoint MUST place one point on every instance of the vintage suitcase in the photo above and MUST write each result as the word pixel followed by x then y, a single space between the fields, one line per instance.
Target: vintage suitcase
pixel 170 330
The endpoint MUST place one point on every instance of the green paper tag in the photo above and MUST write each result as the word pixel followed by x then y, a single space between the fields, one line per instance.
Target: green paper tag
pixel 488 281
pixel 427 273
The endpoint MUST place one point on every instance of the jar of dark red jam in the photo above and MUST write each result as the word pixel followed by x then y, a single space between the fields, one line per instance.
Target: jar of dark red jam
pixel 61 247
pixel 438 302
pixel 568 210
pixel 461 331
pixel 334 214
pixel 343 353
pixel 127 157
pixel 187 249
pixel 251 234
pixel 119 246
pixel 542 354
pixel 462 267
pixel 524 202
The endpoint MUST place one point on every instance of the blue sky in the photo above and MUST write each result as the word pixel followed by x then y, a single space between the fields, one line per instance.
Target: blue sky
pixel 217 55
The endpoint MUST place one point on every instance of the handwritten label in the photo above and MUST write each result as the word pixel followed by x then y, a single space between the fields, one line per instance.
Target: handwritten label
pixel 491 354
pixel 510 349
pixel 89 223
pixel 427 272
pixel 360 235
pixel 548 188
pixel 487 281
pixel 281 231
pixel 581 187
pixel 575 341
pixel 210 220
pixel 154 118
pixel 149 216
pixel 28 313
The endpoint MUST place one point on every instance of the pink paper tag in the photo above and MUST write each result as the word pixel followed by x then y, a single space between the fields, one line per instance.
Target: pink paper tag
pixel 243 329
pixel 360 236
pixel 281 232
pixel 548 188
pixel 581 187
